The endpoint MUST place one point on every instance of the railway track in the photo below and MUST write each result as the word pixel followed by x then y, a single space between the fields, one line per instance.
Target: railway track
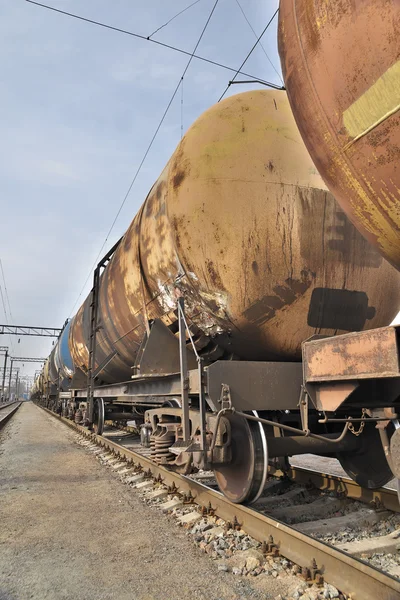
pixel 7 411
pixel 298 542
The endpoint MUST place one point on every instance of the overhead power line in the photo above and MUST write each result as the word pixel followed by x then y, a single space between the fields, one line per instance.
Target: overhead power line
pixel 5 289
pixel 148 39
pixel 248 56
pixel 6 300
pixel 5 314
pixel 180 82
pixel 3 302
pixel 181 108
pixel 260 44
pixel 174 17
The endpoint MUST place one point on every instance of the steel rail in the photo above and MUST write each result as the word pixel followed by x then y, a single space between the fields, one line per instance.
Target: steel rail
pixel 350 575
pixel 7 404
pixel 326 482
pixel 379 498
pixel 7 417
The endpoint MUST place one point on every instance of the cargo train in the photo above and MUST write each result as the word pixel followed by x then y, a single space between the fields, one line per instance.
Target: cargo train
pixel 242 318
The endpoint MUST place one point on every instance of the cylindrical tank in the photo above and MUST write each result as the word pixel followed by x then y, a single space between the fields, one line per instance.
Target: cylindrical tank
pixel 63 358
pixel 46 381
pixel 341 66
pixel 241 224
pixel 60 361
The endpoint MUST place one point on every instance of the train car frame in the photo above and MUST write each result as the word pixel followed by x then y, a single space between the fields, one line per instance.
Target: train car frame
pixel 239 418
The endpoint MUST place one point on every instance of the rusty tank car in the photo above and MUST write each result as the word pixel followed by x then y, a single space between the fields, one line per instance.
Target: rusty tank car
pixel 197 320
pixel 341 67
pixel 241 225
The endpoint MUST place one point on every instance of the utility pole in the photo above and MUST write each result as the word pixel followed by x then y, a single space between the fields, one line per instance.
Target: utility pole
pixel 4 374
pixel 17 386
pixel 9 380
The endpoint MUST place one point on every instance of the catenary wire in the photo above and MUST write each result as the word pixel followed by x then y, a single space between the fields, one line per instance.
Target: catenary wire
pixel 6 318
pixel 180 82
pixel 248 55
pixel 3 303
pixel 259 43
pixel 7 301
pixel 5 289
pixel 143 37
pixel 174 17
pixel 181 108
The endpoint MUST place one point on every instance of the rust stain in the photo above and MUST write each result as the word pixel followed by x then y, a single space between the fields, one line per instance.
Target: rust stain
pixel 178 179
pixel 214 275
pixel 150 200
pixel 352 356
pixel 160 189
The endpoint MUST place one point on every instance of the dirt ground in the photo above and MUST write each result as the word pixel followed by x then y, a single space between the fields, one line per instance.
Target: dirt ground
pixel 70 530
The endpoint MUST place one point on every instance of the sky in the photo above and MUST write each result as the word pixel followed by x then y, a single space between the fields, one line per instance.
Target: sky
pixel 79 106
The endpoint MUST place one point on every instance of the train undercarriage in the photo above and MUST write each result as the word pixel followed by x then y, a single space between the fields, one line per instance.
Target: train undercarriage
pixel 241 418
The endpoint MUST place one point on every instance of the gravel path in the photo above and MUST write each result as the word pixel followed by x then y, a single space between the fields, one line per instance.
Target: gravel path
pixel 70 530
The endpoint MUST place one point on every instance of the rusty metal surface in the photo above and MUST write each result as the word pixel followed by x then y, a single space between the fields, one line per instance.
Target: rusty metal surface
pixel 350 575
pixel 352 356
pixel 239 223
pixel 340 61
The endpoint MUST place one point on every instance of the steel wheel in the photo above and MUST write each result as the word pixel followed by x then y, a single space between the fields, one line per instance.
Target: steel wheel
pixel 98 417
pixel 243 479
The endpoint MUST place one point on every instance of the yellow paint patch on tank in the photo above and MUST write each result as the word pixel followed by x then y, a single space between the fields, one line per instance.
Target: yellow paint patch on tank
pixel 370 214
pixel 322 18
pixel 366 213
pixel 380 101
pixel 342 73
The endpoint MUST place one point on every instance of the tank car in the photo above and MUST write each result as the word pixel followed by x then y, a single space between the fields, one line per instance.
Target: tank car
pixel 196 320
pixel 340 62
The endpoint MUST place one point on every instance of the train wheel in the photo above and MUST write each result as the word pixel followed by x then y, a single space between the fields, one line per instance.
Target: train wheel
pixel 98 417
pixel 368 465
pixel 243 479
